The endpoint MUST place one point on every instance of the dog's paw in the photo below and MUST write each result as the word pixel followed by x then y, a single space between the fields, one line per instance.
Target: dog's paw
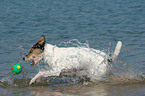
pixel 31 82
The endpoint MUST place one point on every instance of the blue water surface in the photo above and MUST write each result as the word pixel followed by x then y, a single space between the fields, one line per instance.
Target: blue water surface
pixel 99 23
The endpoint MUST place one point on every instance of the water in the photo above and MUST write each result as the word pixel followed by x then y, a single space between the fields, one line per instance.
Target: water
pixel 97 24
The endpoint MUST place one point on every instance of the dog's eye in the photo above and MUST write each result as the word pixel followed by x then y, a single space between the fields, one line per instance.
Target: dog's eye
pixel 33 56
pixel 31 51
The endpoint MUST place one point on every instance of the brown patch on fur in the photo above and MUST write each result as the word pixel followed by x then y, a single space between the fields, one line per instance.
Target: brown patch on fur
pixel 34 53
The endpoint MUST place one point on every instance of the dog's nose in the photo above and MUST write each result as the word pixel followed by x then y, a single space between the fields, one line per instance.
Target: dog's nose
pixel 24 58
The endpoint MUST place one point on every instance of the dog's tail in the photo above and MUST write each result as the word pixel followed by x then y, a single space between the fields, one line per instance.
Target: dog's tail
pixel 116 51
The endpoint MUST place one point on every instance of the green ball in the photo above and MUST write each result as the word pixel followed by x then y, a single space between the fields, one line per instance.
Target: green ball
pixel 16 68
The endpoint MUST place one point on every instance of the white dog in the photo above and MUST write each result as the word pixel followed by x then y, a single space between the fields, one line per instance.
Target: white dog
pixel 93 62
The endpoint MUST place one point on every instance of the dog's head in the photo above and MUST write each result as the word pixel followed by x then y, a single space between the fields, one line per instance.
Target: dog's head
pixel 35 53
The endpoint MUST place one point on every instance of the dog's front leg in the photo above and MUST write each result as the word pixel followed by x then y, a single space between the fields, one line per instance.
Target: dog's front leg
pixel 53 72
pixel 36 77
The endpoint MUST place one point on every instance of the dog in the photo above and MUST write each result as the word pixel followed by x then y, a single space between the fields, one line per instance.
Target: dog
pixel 93 62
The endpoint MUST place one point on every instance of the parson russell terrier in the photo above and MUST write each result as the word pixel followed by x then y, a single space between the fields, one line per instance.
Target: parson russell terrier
pixel 93 62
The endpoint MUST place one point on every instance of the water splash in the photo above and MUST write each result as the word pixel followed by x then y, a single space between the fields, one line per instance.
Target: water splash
pixel 20 47
pixel 10 80
pixel 74 43
pixel 121 72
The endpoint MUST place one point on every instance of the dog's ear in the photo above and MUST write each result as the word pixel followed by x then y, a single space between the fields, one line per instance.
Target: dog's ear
pixel 41 40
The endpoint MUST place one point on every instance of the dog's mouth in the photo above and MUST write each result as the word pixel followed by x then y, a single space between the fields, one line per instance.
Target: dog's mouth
pixel 33 63
pixel 34 60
